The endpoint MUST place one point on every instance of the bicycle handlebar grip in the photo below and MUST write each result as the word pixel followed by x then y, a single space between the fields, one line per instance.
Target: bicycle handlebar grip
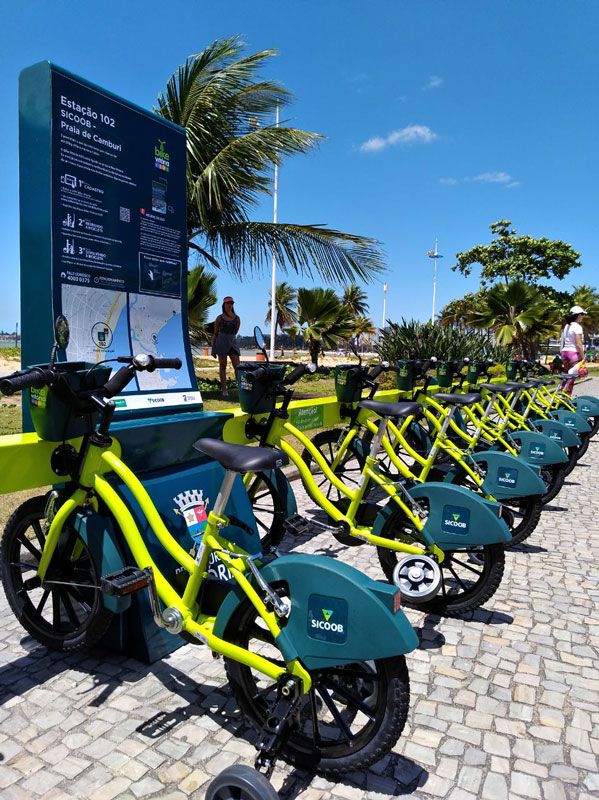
pixel 376 371
pixel 119 380
pixel 256 374
pixel 31 378
pixel 166 363
pixel 295 374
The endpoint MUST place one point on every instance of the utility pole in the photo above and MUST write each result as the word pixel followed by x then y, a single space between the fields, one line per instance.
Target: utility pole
pixel 434 254
pixel 384 306
pixel 273 283
pixel 16 334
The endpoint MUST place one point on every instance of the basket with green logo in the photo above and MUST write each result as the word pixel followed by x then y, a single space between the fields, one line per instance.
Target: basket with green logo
pixel 51 408
pixel 348 383
pixel 254 397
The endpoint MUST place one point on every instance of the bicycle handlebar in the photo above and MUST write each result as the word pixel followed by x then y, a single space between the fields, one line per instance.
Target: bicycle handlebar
pixel 34 378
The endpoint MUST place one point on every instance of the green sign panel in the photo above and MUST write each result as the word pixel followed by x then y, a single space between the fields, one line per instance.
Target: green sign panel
pixel 305 419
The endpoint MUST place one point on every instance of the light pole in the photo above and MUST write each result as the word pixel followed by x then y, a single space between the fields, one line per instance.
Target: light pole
pixel 273 282
pixel 384 306
pixel 436 256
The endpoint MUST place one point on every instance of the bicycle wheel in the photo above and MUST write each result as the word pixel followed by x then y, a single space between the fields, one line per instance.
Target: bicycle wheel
pixel 553 475
pixel 268 510
pixel 61 617
pixel 470 576
pixel 352 716
pixel 348 470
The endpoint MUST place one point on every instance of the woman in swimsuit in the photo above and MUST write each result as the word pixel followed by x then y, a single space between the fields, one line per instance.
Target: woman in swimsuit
pixel 224 341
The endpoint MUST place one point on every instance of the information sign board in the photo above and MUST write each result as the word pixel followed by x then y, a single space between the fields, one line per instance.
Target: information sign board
pixel 117 244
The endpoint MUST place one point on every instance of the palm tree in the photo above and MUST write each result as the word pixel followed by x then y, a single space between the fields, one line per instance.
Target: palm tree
pixel 518 314
pixel 355 300
pixel 201 296
pixel 323 319
pixel 587 297
pixel 363 326
pixel 231 147
pixel 458 312
pixel 285 299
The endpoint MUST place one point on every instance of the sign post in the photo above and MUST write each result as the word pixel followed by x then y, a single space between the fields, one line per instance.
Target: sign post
pixel 104 233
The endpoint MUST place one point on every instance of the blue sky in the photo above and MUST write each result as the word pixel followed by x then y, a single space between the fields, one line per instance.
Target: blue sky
pixel 440 118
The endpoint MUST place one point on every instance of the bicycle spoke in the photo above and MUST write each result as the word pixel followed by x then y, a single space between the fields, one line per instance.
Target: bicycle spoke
pixel 42 602
pixel 55 610
pixel 28 545
pixel 351 698
pixel 457 577
pixel 316 738
pixel 68 607
pixel 467 566
pixel 39 533
pixel 345 730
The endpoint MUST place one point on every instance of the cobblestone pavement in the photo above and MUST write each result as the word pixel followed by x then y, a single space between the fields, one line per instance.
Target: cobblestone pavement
pixel 504 704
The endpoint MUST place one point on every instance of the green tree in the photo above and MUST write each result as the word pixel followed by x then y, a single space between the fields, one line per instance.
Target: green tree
pixel 323 319
pixel 355 300
pixel 518 315
pixel 218 96
pixel 285 311
pixel 201 296
pixel 588 298
pixel 522 258
pixel 363 326
pixel 458 312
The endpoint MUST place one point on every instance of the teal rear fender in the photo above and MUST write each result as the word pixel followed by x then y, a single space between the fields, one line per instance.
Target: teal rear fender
pixel 587 405
pixel 538 449
pixel 507 476
pixel 285 492
pixel 457 517
pixel 558 432
pixel 573 420
pixel 97 531
pixel 338 615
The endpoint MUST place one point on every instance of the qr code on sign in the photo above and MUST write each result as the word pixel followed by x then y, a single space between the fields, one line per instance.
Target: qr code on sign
pixel 125 214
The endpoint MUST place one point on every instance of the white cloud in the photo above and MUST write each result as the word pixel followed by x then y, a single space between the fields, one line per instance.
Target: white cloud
pixel 434 82
pixel 407 135
pixel 493 177
pixel 504 179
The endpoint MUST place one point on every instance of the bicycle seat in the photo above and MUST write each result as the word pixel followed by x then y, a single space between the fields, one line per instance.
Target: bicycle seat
pixel 565 376
pixel 467 399
pixel 499 388
pixel 240 457
pixel 405 409
pixel 540 381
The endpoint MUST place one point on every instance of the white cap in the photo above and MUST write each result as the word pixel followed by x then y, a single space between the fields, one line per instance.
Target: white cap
pixel 577 310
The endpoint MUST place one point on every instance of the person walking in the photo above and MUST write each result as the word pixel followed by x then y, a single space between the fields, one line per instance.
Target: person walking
pixel 572 344
pixel 224 341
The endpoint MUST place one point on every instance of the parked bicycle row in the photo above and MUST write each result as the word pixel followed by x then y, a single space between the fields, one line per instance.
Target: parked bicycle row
pixel 441 483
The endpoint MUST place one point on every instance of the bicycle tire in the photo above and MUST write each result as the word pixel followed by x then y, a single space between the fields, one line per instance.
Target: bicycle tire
pixel 268 510
pixel 381 687
pixel 78 616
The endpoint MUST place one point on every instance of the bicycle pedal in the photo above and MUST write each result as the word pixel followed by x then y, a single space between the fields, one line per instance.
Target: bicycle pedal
pixel 296 525
pixel 124 581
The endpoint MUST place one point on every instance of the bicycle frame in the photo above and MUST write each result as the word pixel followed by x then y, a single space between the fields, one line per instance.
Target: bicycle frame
pixel 281 427
pixel 97 463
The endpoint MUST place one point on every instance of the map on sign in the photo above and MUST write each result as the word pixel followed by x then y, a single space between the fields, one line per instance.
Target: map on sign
pixel 102 329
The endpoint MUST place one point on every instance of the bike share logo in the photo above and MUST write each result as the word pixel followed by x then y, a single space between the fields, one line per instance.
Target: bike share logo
pixel 555 435
pixel 327 618
pixel 192 507
pixel 585 409
pixel 536 450
pixel 161 157
pixel 455 519
pixel 507 477
pixel 570 423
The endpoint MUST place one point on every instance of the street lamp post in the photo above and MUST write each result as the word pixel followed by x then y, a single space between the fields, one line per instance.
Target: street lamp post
pixel 273 282
pixel 384 306
pixel 434 254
